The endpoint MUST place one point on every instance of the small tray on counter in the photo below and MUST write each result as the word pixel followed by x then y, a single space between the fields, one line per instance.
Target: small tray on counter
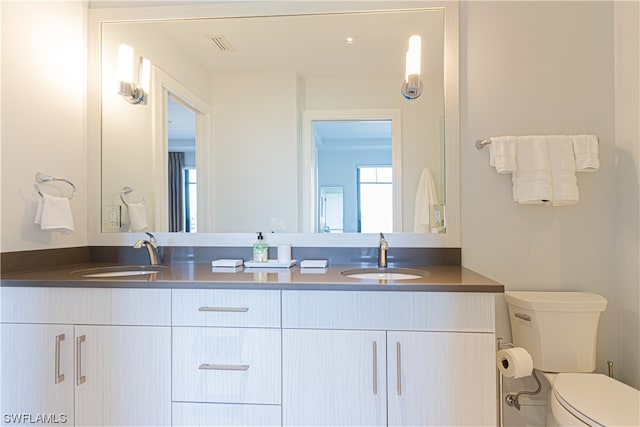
pixel 272 263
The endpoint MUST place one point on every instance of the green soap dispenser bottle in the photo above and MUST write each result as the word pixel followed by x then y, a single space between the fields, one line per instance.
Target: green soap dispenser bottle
pixel 260 249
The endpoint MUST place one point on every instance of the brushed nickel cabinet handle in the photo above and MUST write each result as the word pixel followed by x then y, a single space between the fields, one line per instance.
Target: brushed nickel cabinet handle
pixel 215 367
pixel 59 376
pixel 399 367
pixel 81 379
pixel 375 368
pixel 225 309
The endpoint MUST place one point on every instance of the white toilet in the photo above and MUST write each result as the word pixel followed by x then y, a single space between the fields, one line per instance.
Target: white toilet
pixel 559 330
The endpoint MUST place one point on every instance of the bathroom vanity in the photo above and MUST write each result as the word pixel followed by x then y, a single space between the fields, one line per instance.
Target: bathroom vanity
pixel 188 346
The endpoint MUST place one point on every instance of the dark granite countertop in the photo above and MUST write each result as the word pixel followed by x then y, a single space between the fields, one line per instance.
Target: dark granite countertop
pixel 446 278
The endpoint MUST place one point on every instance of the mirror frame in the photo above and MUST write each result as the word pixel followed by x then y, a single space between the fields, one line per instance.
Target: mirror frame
pixel 96 17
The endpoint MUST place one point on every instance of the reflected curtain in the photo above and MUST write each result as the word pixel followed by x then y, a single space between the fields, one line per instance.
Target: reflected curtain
pixel 176 191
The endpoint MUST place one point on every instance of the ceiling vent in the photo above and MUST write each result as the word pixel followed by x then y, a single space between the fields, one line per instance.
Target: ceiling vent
pixel 222 43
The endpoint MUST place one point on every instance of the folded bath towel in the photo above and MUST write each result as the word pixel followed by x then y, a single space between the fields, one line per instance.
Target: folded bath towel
pixel 54 214
pixel 137 217
pixel 503 153
pixel 426 196
pixel 585 148
pixel 532 178
pixel 563 170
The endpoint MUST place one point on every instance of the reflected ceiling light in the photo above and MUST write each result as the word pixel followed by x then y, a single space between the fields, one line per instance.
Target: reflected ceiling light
pixel 133 92
pixel 349 40
pixel 412 85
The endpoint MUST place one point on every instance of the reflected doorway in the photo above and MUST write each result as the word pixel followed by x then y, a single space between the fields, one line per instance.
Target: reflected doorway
pixel 182 173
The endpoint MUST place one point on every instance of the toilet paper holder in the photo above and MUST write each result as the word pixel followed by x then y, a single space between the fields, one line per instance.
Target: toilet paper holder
pixel 513 399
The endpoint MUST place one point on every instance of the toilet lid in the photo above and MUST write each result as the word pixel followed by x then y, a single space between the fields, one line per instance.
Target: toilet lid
pixel 598 400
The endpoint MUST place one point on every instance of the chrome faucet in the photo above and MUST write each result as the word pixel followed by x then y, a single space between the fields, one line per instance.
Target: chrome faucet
pixel 382 252
pixel 151 248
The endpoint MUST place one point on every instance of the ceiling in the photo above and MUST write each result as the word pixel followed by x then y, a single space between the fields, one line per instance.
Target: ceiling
pixel 314 46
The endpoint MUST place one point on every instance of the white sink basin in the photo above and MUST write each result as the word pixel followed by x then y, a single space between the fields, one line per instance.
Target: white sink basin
pixel 384 273
pixel 120 271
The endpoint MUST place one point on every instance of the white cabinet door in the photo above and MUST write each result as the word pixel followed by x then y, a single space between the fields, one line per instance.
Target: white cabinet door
pixel 123 375
pixel 37 374
pixel 334 378
pixel 441 379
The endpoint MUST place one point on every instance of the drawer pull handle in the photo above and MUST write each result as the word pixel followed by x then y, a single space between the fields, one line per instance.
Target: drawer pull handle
pixel 81 379
pixel 375 368
pixel 225 309
pixel 213 367
pixel 523 316
pixel 399 368
pixel 59 376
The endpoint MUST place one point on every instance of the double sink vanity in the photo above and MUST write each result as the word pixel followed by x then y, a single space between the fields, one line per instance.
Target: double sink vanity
pixel 185 344
pixel 103 343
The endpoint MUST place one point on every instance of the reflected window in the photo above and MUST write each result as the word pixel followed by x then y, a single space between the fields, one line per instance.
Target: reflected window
pixel 375 199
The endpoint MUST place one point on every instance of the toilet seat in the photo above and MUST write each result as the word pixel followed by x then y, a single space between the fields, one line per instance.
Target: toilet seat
pixel 598 400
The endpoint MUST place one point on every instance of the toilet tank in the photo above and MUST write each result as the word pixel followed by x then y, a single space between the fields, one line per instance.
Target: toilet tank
pixel 558 329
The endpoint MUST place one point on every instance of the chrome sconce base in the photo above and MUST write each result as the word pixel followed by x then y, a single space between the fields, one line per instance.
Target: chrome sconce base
pixel 132 93
pixel 412 87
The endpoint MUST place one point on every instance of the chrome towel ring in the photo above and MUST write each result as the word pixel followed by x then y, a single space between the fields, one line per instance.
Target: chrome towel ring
pixel 40 178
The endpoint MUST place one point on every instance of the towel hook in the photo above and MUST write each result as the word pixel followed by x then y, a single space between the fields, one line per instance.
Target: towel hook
pixel 126 190
pixel 40 178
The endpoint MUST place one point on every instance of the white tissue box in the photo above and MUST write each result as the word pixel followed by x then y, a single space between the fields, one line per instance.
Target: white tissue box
pixel 226 263
pixel 314 263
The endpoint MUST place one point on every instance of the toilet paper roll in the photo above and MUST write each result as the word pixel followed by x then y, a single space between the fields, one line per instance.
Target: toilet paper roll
pixel 515 362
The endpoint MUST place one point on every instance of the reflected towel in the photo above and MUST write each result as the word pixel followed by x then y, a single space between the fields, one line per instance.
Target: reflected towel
pixel 426 196
pixel 137 217
pixel 503 153
pixel 563 170
pixel 54 214
pixel 532 178
pixel 585 149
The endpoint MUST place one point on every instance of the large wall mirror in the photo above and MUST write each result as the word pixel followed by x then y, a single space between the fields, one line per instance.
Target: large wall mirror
pixel 283 118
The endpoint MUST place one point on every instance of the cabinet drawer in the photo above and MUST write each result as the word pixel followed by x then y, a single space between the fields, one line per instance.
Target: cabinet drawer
pixel 226 365
pixel 221 307
pixel 428 311
pixel 90 306
pixel 216 414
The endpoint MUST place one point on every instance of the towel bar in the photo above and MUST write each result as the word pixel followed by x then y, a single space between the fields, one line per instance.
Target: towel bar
pixel 482 142
pixel 40 177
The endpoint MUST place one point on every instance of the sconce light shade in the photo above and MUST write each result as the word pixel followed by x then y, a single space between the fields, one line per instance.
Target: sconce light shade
pixel 132 92
pixel 412 84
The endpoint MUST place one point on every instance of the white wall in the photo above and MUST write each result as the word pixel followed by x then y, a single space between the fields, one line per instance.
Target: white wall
pixel 43 117
pixel 540 68
pixel 255 130
pixel 627 208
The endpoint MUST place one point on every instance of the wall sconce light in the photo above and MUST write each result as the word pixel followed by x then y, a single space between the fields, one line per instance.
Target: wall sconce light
pixel 412 85
pixel 132 92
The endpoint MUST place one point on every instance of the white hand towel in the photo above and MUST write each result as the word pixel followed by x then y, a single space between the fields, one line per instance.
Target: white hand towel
pixel 503 153
pixel 426 196
pixel 563 170
pixel 532 178
pixel 585 149
pixel 137 217
pixel 54 214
